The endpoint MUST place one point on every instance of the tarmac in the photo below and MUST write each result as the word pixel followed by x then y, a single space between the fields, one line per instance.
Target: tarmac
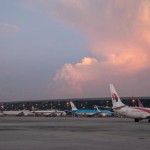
pixel 68 133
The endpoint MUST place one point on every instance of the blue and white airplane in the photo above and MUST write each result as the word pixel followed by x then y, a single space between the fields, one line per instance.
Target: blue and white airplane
pixel 82 112
pixel 88 112
pixel 104 113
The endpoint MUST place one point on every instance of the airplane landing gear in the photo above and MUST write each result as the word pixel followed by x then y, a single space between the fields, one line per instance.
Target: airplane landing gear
pixel 136 120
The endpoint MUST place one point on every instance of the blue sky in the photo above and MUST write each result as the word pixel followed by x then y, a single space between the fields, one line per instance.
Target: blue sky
pixel 72 48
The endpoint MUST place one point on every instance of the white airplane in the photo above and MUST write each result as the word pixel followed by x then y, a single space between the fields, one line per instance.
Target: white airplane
pixel 42 112
pixel 50 113
pixel 27 113
pixel 138 113
pixel 13 113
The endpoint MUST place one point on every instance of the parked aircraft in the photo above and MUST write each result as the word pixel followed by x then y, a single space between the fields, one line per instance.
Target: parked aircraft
pixel 16 113
pixel 12 113
pixel 138 113
pixel 104 112
pixel 141 105
pixel 49 113
pixel 82 112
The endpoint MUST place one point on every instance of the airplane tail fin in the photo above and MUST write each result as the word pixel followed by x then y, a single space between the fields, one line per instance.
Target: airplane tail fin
pixel 33 109
pixel 139 103
pixel 73 107
pixel 97 108
pixel 116 101
pixel 1 108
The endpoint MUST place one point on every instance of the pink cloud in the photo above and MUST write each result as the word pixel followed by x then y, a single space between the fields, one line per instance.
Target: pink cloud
pixel 7 29
pixel 119 38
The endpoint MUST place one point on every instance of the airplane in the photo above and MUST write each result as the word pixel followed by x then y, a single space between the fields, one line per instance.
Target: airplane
pixel 141 105
pixel 138 113
pixel 12 113
pixel 43 113
pixel 48 113
pixel 104 113
pixel 82 112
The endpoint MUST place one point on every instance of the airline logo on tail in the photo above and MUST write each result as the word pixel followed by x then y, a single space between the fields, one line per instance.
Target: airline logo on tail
pixel 114 97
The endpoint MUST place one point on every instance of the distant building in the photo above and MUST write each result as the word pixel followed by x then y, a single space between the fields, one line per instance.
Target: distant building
pixel 63 104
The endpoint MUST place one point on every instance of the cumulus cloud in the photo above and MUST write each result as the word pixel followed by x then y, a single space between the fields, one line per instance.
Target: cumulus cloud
pixel 119 38
pixel 8 29
pixel 72 77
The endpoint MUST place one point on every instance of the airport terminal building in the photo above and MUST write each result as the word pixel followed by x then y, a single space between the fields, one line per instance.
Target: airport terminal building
pixel 64 104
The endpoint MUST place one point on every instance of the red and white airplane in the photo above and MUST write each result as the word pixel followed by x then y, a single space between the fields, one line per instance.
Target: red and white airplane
pixel 138 113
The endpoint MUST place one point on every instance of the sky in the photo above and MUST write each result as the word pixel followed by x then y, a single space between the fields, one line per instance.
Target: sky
pixel 54 49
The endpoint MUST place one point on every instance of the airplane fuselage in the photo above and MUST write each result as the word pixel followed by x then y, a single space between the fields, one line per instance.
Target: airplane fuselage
pixel 49 112
pixel 84 112
pixel 133 112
